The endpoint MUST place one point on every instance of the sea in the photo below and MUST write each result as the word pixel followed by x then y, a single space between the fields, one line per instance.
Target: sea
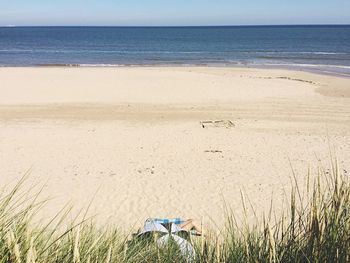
pixel 321 48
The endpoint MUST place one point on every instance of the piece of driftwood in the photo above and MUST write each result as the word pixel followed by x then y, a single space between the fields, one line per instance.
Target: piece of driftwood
pixel 218 123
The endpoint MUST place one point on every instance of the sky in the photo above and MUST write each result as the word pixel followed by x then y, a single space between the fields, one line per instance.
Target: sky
pixel 172 12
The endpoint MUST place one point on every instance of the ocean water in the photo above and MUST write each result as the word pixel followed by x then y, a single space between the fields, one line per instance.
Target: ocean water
pixel 316 48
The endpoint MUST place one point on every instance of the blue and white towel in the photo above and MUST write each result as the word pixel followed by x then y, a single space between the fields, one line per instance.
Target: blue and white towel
pixel 176 221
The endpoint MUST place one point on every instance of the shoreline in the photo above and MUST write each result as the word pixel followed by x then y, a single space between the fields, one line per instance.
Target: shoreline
pixel 309 68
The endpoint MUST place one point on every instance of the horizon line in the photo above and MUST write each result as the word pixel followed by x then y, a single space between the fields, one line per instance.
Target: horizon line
pixel 165 26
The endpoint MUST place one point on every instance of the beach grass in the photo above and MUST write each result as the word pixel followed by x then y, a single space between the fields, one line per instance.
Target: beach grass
pixel 314 228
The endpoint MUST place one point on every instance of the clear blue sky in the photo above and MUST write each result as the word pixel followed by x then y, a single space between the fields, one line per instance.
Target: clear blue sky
pixel 173 12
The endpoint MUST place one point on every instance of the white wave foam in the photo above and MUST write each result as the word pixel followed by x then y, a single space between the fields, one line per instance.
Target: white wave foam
pixel 307 65
pixel 102 65
pixel 16 50
pixel 305 52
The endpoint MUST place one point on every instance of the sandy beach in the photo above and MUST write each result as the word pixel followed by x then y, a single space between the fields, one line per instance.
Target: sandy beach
pixel 168 141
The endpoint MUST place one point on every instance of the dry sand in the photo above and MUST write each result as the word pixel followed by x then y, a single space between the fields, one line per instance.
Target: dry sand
pixel 133 136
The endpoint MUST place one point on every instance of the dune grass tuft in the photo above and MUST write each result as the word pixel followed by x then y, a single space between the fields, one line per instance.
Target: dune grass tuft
pixel 315 228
